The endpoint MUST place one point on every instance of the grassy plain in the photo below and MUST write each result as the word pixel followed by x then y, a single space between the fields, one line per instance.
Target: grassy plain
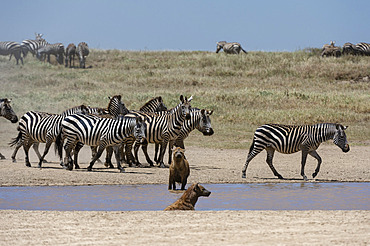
pixel 245 91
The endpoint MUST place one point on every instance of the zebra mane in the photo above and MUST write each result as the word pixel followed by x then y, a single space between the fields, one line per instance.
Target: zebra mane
pixel 159 99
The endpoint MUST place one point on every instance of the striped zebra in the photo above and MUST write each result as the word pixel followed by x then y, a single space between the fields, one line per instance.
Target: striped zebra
pixel 11 48
pixel 43 128
pixel 82 52
pixel 56 49
pixel 289 139
pixel 161 128
pixel 8 113
pixel 363 48
pixel 229 48
pixel 199 119
pixel 70 55
pixel 96 131
pixel 32 46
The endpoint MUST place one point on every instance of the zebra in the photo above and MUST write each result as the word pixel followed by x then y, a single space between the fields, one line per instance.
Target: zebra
pixel 11 48
pixel 56 49
pixel 154 105
pixel 289 139
pixel 82 52
pixel 42 127
pixel 349 49
pixel 96 131
pixel 32 46
pixel 363 48
pixel 70 55
pixel 161 128
pixel 229 48
pixel 8 113
pixel 199 119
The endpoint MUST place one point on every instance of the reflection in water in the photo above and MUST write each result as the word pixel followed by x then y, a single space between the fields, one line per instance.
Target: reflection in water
pixel 271 196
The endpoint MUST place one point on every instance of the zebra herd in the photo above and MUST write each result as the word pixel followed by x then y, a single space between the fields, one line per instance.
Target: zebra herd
pixel 117 129
pixel 347 49
pixel 41 49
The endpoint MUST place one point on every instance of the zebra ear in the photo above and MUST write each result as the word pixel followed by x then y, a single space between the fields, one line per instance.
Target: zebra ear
pixel 190 98
pixel 202 111
pixel 182 98
pixel 210 112
pixel 345 127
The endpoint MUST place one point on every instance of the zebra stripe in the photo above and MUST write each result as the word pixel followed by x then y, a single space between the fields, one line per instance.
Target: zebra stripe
pixel 11 48
pixel 43 128
pixel 8 113
pixel 82 52
pixel 96 131
pixel 32 46
pixel 70 55
pixel 161 128
pixel 56 49
pixel 289 139
pixel 363 48
pixel 229 48
pixel 154 105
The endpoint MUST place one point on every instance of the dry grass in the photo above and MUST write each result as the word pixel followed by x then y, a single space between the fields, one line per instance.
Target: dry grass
pixel 245 91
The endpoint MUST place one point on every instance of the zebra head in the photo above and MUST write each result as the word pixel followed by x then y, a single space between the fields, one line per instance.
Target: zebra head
pixel 7 111
pixel 340 138
pixel 161 106
pixel 220 45
pixel 205 123
pixel 186 106
pixel 139 130
pixel 116 106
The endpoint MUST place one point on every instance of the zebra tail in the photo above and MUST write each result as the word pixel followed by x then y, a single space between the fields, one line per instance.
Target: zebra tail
pixel 58 146
pixel 16 140
pixel 244 51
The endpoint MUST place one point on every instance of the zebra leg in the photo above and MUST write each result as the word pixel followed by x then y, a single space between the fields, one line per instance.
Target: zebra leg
pixel 136 150
pixel 144 147
pixel 68 159
pixel 315 155
pixel 93 153
pixel 19 144
pixel 170 146
pixel 76 150
pixel 26 146
pixel 128 150
pixel 46 150
pixel 2 157
pixel 35 147
pixel 108 157
pixel 163 151
pixel 117 154
pixel 270 155
pixel 101 148
pixel 252 153
pixel 303 163
pixel 156 154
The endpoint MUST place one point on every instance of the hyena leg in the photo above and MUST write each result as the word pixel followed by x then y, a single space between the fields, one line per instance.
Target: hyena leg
pixel 270 155
pixel 318 158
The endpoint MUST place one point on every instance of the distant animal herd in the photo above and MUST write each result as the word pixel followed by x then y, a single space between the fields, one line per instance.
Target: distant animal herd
pixel 40 48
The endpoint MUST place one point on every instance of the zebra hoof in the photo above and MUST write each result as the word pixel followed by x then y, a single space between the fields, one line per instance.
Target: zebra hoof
pixel 122 170
pixel 314 175
pixel 305 178
pixel 244 175
pixel 280 177
pixel 28 164
pixel 89 169
pixel 14 160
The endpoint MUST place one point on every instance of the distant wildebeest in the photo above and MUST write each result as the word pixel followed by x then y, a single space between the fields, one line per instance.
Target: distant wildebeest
pixel 7 112
pixel 190 197
pixel 229 48
pixel 11 48
pixel 82 52
pixel 51 49
pixel 331 51
pixel 288 139
pixel 70 55
pixel 179 169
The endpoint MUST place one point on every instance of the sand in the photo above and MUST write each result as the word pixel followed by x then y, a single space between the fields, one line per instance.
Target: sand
pixel 188 227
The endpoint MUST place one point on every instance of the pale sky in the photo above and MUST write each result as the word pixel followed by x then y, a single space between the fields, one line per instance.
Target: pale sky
pixel 265 25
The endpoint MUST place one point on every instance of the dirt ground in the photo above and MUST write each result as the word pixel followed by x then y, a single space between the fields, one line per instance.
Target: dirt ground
pixel 181 227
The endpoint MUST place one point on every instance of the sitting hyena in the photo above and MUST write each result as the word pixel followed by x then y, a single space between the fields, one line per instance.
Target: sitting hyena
pixel 189 198
pixel 179 169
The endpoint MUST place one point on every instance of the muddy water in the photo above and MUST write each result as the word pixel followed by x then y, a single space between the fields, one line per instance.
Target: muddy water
pixel 279 196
